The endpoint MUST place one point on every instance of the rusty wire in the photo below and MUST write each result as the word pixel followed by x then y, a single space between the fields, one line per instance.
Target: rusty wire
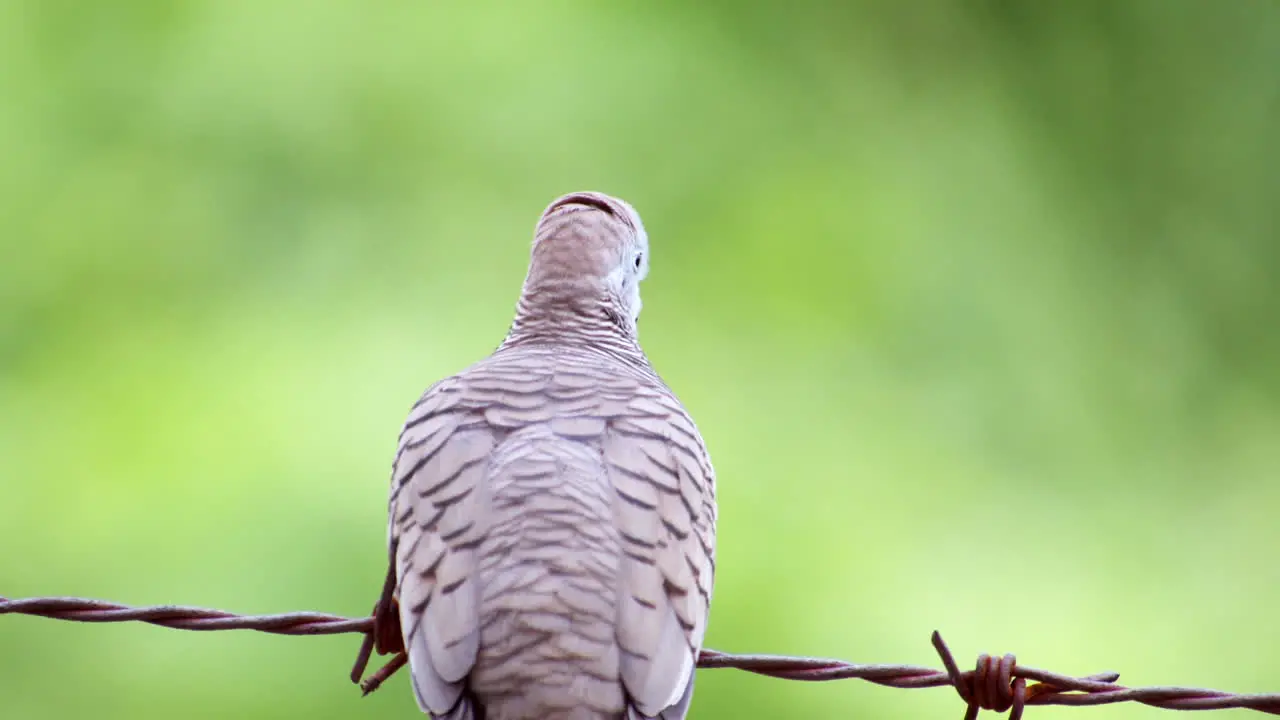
pixel 996 683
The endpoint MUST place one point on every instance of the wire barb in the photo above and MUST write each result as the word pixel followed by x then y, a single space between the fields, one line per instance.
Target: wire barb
pixel 998 684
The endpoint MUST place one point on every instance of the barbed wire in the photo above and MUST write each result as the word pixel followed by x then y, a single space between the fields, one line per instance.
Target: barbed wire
pixel 996 683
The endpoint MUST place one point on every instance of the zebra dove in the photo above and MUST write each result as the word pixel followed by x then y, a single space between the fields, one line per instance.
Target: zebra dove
pixel 552 511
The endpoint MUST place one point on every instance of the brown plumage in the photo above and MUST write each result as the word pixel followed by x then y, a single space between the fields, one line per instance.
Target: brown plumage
pixel 552 513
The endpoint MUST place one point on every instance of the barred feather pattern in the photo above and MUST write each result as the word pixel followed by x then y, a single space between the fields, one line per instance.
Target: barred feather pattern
pixel 552 511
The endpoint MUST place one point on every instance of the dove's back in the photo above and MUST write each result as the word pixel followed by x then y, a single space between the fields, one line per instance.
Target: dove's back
pixel 554 521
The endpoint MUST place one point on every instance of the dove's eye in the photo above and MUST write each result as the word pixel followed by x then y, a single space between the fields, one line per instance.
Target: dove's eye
pixel 639 257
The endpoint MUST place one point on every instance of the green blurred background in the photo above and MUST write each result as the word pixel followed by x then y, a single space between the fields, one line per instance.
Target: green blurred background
pixel 975 303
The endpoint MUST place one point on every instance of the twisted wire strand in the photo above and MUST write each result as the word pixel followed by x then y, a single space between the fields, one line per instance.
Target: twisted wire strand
pixel 996 683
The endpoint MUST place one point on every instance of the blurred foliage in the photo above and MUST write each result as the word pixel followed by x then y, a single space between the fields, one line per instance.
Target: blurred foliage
pixel 974 302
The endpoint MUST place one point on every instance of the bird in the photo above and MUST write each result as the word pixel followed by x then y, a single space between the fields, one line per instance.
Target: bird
pixel 552 511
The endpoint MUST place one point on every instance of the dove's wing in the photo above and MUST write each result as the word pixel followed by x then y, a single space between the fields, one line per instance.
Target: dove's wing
pixel 666 514
pixel 438 502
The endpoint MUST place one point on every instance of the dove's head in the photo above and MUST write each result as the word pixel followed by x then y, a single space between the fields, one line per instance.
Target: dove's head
pixel 590 252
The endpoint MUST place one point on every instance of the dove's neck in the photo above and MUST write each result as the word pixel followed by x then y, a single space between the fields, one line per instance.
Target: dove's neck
pixel 560 314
